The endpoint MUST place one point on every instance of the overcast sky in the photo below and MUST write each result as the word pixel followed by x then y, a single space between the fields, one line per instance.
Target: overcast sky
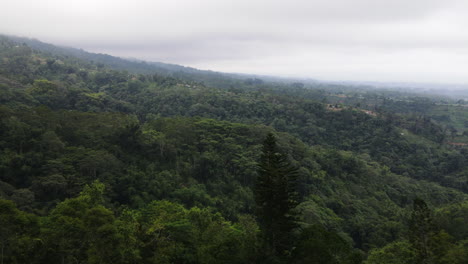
pixel 369 40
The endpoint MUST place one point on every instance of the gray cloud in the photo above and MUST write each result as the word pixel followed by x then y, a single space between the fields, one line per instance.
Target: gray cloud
pixel 398 40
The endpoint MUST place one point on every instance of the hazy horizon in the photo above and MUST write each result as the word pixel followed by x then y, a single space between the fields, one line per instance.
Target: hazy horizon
pixel 363 40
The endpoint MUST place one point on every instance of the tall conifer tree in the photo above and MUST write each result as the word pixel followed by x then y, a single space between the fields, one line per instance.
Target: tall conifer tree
pixel 275 196
pixel 421 231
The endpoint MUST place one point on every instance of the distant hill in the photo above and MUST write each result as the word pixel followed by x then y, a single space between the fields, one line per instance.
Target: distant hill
pixel 210 78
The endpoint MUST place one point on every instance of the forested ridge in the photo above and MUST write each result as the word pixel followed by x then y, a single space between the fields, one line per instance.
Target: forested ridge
pixel 103 160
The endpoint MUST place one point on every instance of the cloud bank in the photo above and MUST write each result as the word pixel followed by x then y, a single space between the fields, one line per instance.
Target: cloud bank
pixel 374 40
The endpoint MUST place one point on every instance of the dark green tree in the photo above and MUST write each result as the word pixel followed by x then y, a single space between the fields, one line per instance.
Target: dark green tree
pixel 276 197
pixel 18 232
pixel 398 252
pixel 421 231
pixel 317 245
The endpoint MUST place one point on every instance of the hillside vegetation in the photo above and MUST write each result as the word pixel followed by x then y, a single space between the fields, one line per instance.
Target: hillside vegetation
pixel 104 160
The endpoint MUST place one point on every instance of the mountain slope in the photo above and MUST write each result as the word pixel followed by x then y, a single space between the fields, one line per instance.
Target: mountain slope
pixel 66 122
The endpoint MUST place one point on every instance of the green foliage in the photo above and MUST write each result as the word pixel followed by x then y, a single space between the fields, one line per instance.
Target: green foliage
pixel 453 219
pixel 129 162
pixel 399 252
pixel 457 254
pixel 276 198
pixel 317 245
pixel 18 232
pixel 421 231
pixel 81 228
pixel 172 233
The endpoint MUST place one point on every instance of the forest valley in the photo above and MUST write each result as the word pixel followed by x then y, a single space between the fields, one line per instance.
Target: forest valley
pixel 105 160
